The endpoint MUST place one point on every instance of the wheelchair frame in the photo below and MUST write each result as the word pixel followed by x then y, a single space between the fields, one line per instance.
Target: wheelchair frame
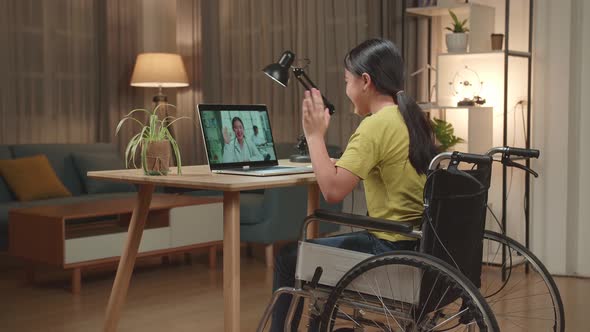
pixel 318 293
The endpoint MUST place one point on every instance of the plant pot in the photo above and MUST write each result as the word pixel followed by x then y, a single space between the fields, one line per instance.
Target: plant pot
pixel 157 158
pixel 497 41
pixel 457 42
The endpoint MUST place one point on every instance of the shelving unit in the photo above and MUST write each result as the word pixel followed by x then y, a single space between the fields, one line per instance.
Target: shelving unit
pixel 506 74
pixel 477 130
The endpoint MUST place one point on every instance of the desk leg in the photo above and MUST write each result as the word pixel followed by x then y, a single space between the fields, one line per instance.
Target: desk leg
pixel 119 291
pixel 231 261
pixel 313 203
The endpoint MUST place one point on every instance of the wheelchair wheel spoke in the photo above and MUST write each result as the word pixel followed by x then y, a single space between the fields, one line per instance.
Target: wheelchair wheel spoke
pixel 521 292
pixel 437 301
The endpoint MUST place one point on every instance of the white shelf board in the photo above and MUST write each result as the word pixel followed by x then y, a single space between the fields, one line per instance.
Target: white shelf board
pixel 433 11
pixel 471 53
pixel 426 107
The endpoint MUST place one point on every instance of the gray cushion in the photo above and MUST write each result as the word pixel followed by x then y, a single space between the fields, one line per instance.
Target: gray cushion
pixel 285 150
pixel 60 157
pixel 86 162
pixel 251 205
pixel 5 207
pixel 251 208
pixel 5 193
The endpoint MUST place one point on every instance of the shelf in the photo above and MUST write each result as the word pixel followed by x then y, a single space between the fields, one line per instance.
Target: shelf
pixel 426 107
pixel 471 53
pixel 434 11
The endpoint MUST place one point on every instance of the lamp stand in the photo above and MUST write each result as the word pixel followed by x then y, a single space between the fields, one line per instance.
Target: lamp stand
pixel 303 156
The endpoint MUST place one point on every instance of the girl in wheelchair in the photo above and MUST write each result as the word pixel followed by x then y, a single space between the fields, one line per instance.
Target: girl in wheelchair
pixel 390 151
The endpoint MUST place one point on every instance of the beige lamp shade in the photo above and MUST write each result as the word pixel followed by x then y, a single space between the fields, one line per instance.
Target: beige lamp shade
pixel 164 70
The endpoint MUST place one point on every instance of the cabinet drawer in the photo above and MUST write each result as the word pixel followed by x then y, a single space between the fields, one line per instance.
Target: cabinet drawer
pixel 111 245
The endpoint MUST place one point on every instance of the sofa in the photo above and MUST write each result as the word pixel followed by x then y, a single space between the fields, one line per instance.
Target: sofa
pixel 62 158
pixel 267 216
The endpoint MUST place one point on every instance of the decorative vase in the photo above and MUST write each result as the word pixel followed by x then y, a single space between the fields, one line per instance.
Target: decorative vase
pixel 497 41
pixel 457 42
pixel 157 158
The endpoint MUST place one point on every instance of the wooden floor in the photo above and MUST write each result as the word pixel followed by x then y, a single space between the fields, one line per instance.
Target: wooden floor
pixel 175 297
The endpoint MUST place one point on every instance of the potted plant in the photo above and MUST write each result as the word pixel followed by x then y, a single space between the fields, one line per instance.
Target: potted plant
pixel 445 135
pixel 457 40
pixel 153 141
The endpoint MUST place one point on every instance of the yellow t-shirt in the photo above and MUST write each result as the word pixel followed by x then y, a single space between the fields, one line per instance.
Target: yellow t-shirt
pixel 378 153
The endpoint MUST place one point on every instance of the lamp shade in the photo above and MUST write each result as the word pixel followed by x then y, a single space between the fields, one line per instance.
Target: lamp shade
pixel 164 70
pixel 279 71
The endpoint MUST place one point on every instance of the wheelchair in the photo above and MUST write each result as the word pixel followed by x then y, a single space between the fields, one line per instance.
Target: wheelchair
pixel 462 278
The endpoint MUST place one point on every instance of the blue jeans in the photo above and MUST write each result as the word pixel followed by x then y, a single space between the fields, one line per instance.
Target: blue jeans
pixel 286 261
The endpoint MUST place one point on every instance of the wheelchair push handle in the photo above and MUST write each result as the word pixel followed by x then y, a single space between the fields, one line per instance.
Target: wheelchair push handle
pixel 519 152
pixel 471 158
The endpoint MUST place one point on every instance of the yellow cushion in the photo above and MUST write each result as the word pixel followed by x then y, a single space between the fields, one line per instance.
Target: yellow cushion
pixel 32 178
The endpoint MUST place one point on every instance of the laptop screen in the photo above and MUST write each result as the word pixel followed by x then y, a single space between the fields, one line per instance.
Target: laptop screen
pixel 237 136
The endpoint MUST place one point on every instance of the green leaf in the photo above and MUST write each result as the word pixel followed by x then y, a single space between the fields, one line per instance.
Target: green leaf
pixel 455 19
pixel 181 118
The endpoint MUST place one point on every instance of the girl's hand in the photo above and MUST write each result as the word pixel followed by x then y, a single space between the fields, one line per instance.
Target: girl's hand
pixel 315 117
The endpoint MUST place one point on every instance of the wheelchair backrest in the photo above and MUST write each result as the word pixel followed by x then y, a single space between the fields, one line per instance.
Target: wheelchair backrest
pixel 454 217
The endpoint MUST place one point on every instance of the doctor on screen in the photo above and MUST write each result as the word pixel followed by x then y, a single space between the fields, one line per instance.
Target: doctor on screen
pixel 239 149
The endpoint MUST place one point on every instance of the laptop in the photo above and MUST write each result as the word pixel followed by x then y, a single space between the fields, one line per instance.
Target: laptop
pixel 239 140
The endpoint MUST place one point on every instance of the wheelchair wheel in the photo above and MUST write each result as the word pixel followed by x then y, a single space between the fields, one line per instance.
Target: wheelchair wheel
pixel 405 291
pixel 524 296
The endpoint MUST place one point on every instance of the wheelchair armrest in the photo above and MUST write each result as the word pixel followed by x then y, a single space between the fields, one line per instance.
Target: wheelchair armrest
pixel 365 222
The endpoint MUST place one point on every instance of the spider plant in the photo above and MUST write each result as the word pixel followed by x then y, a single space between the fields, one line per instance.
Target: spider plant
pixel 457 26
pixel 445 134
pixel 153 130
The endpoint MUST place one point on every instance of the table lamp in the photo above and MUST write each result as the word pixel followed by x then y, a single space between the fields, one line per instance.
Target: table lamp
pixel 159 70
pixel 279 72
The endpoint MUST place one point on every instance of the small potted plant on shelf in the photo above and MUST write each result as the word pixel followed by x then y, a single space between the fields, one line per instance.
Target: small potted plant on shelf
pixel 458 38
pixel 153 141
pixel 445 135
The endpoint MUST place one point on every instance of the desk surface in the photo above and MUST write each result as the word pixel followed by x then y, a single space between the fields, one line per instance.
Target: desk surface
pixel 200 177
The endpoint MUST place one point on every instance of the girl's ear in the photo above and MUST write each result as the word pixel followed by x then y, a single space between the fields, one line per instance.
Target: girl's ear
pixel 366 81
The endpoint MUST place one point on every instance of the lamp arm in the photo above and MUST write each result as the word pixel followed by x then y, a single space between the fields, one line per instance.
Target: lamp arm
pixel 308 85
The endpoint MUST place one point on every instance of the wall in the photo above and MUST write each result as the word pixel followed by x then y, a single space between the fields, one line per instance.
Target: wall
pixel 560 126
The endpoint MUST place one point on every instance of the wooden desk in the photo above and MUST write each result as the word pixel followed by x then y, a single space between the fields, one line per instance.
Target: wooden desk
pixel 198 177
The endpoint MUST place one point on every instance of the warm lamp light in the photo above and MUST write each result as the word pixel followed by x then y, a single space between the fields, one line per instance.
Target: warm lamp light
pixel 159 70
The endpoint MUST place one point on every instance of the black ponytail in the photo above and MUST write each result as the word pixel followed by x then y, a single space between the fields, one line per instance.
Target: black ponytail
pixel 382 61
pixel 422 147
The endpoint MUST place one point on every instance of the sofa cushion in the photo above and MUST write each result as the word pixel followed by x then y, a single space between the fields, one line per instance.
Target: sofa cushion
pixel 86 162
pixel 251 208
pixel 60 157
pixel 7 206
pixel 5 194
pixel 32 178
pixel 285 150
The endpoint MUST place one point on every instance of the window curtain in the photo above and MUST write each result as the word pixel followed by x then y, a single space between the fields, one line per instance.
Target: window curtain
pixel 189 43
pixel 48 71
pixel 240 37
pixel 65 68
pixel 119 45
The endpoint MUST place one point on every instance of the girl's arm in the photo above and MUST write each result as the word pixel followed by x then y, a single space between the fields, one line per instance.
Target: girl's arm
pixel 335 182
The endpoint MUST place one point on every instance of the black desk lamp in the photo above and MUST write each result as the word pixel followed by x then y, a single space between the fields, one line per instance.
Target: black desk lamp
pixel 279 72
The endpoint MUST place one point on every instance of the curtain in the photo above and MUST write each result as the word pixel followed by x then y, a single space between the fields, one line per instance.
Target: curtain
pixel 189 43
pixel 119 46
pixel 65 67
pixel 240 37
pixel 48 71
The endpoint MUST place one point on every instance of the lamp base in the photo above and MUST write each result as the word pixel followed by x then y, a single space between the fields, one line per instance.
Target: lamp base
pixel 300 158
